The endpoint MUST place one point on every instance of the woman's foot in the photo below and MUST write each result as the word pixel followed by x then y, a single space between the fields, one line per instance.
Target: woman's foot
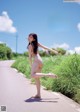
pixel 52 75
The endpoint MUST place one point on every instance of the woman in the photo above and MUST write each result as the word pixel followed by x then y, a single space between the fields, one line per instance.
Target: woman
pixel 37 64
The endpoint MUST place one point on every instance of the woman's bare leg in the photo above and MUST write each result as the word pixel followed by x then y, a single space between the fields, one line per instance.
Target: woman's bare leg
pixel 36 67
pixel 39 75
pixel 35 73
pixel 37 80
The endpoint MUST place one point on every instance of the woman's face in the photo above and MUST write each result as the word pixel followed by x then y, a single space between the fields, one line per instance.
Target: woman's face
pixel 30 38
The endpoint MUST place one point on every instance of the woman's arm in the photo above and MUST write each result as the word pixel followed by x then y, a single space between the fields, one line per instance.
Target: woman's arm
pixel 30 56
pixel 46 48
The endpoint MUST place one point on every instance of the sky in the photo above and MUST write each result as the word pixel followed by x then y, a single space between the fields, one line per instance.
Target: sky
pixel 57 23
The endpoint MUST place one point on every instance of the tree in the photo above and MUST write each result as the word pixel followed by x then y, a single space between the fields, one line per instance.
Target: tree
pixel 5 51
pixel 9 53
pixel 61 51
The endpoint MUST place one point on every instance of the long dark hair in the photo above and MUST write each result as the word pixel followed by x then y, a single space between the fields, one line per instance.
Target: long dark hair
pixel 34 43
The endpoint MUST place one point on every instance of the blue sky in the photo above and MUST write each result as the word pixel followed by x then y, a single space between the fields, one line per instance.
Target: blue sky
pixel 57 23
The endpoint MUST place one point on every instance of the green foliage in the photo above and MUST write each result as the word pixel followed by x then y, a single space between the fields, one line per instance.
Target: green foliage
pixel 22 65
pixel 17 55
pixel 69 76
pixel 26 54
pixel 2 52
pixel 77 96
pixel 68 70
pixel 61 51
pixel 8 53
pixel 5 52
pixel 50 63
pixel 43 53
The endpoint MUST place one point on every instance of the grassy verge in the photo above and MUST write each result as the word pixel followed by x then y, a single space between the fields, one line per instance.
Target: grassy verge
pixel 66 67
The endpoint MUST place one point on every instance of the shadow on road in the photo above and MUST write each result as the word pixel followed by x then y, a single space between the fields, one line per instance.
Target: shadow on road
pixel 51 100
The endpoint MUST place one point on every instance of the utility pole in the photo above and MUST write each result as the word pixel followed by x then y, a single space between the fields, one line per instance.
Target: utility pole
pixel 16 42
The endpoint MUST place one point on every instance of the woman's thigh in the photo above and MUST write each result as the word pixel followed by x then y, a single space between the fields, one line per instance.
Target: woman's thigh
pixel 36 67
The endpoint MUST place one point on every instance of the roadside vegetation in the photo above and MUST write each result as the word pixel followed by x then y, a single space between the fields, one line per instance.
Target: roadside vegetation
pixel 66 67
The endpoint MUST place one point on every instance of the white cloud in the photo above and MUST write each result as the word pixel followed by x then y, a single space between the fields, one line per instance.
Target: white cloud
pixel 70 52
pixel 1 42
pixel 6 24
pixel 77 50
pixel 78 26
pixel 64 46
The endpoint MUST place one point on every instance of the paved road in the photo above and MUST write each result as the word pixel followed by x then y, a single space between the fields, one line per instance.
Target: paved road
pixel 16 92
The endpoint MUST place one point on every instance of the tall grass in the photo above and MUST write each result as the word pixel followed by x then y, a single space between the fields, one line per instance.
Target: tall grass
pixel 66 67
pixel 22 65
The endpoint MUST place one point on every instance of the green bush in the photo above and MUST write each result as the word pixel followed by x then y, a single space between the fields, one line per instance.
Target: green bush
pixel 26 54
pixel 77 96
pixel 2 51
pixel 5 52
pixel 68 70
pixel 69 76
pixel 8 53
pixel 22 65
pixel 43 53
pixel 61 51
pixel 17 55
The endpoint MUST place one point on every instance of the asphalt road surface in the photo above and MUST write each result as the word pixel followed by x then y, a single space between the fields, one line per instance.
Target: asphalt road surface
pixel 16 92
